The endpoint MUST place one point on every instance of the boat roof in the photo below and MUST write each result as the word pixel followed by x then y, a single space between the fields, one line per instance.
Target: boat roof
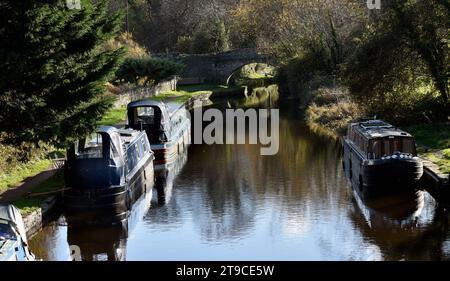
pixel 171 107
pixel 127 136
pixel 146 102
pixel 378 129
pixel 107 129
pixel 12 215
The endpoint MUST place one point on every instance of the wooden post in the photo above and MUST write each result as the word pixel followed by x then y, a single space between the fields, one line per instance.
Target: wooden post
pixel 126 18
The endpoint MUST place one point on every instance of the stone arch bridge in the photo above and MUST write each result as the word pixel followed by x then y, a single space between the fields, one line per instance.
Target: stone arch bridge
pixel 218 68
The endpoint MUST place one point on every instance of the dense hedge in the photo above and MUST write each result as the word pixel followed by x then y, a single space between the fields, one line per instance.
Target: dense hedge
pixel 146 71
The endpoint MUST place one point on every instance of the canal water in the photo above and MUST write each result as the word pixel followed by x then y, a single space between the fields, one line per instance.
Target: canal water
pixel 227 202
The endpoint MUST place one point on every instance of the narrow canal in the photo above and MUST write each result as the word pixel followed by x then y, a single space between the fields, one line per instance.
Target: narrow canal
pixel 227 202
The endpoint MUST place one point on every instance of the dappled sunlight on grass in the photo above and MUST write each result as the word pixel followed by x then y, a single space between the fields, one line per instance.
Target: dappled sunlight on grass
pixel 114 116
pixel 434 143
pixel 184 93
pixel 22 172
pixel 28 205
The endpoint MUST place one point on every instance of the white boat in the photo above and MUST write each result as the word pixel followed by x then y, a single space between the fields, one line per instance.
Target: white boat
pixel 167 125
pixel 13 237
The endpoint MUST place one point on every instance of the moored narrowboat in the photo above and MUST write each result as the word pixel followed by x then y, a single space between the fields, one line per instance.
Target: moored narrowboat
pixel 167 126
pixel 107 172
pixel 380 158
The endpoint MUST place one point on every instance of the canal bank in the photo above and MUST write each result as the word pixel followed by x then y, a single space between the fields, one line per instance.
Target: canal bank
pixel 39 197
pixel 228 202
pixel 230 197
pixel 436 182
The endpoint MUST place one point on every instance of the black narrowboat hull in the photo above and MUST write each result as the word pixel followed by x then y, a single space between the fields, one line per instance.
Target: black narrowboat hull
pixel 373 178
pixel 105 205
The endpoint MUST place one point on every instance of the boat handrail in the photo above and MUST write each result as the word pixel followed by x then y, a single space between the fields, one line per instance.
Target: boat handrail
pixel 382 125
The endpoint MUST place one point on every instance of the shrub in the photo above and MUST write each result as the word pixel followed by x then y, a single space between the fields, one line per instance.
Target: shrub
pixel 207 38
pixel 132 48
pixel 405 108
pixel 20 161
pixel 184 44
pixel 332 110
pixel 296 76
pixel 147 71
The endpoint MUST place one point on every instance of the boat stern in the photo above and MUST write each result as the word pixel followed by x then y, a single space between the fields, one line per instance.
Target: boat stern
pixel 396 173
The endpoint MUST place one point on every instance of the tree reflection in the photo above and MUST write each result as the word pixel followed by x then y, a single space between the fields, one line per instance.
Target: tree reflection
pixel 225 186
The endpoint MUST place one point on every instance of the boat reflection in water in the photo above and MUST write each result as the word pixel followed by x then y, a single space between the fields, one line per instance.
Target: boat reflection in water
pixel 107 242
pixel 408 226
pixel 165 175
pixel 391 213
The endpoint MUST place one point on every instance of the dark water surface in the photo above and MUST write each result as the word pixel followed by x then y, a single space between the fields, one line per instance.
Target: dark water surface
pixel 227 202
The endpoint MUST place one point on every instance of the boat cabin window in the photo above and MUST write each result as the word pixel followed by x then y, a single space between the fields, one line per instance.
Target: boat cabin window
pixel 6 230
pixel 116 146
pixel 135 153
pixel 144 145
pixel 150 119
pixel 376 147
pixel 408 146
pixel 91 147
pixel 144 116
pixel 388 146
pixel 360 141
pixel 138 151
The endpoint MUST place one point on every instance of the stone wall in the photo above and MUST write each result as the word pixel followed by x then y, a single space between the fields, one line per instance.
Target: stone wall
pixel 436 183
pixel 36 220
pixel 141 92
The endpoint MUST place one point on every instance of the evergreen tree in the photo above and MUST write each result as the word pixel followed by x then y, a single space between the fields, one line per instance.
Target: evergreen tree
pixel 53 69
pixel 222 38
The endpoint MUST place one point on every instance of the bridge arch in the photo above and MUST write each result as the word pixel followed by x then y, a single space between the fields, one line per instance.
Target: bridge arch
pixel 217 68
pixel 235 71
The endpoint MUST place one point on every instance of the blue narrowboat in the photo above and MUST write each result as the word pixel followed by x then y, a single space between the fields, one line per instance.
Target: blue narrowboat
pixel 380 159
pixel 13 239
pixel 108 171
pixel 168 127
